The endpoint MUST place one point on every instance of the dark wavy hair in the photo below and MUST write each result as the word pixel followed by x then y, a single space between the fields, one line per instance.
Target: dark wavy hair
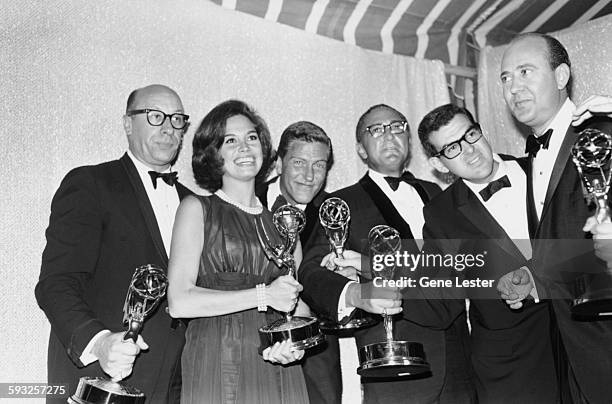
pixel 437 118
pixel 305 131
pixel 206 162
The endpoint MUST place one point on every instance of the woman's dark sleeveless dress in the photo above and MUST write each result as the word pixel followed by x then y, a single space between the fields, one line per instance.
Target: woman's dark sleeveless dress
pixel 220 361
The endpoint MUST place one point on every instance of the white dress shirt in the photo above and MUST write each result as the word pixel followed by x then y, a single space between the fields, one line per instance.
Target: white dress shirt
pixel 544 160
pixel 406 200
pixel 507 206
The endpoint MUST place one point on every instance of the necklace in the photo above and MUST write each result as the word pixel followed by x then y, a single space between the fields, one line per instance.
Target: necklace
pixel 247 209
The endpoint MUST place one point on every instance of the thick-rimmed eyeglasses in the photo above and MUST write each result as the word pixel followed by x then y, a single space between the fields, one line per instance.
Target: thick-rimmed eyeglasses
pixel 157 118
pixel 395 127
pixel 453 149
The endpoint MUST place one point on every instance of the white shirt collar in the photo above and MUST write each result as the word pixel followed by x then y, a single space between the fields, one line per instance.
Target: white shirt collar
pixel 406 200
pixel 143 170
pixel 379 179
pixel 140 166
pixel 559 126
pixel 502 170
pixel 563 117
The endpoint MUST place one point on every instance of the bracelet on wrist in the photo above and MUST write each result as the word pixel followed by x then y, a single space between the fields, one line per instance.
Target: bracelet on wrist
pixel 261 297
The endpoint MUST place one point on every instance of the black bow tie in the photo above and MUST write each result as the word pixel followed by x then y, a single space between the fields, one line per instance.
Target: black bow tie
pixel 169 178
pixel 535 143
pixel 394 182
pixel 494 186
pixel 278 202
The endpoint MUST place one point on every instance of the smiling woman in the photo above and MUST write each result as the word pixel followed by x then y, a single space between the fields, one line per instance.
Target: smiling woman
pixel 241 150
pixel 216 129
pixel 219 274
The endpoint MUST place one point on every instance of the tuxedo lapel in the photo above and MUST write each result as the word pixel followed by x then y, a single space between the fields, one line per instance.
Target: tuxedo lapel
pixel 559 167
pixel 521 161
pixel 145 206
pixel 470 206
pixel 417 185
pixel 386 207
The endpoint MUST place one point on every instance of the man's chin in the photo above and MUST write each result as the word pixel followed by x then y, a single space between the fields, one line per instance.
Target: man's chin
pixel 394 158
pixel 522 116
pixel 303 199
pixel 166 155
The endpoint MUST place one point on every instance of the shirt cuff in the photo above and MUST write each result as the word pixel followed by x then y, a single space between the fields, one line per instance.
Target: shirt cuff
pixel 87 356
pixel 344 310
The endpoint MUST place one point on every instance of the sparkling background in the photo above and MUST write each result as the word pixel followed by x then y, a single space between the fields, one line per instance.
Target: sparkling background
pixel 590 50
pixel 68 67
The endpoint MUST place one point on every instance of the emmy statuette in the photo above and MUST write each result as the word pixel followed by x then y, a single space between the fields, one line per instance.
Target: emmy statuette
pixel 146 290
pixel 303 332
pixel 334 216
pixel 389 358
pixel 592 153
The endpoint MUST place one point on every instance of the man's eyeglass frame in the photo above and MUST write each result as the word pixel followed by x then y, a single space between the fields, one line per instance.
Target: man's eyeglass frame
pixel 147 110
pixel 384 127
pixel 474 127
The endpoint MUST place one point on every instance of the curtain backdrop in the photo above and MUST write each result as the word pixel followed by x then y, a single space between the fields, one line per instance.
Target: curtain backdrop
pixel 590 50
pixel 68 66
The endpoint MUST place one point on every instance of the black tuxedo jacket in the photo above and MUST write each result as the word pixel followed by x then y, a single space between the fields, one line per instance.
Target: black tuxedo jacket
pixel 558 264
pixel 446 351
pixel 511 351
pixel 101 228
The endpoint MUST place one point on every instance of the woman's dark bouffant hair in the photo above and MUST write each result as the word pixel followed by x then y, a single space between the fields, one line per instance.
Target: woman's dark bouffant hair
pixel 206 162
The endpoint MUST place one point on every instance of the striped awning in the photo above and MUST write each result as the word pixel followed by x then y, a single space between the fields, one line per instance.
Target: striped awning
pixel 433 29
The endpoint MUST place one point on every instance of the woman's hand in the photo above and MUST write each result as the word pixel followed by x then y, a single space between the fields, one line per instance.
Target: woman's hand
pixel 281 353
pixel 283 293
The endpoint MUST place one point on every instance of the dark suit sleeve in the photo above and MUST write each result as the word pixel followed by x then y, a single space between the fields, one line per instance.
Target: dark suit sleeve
pixel 73 239
pixel 433 307
pixel 322 287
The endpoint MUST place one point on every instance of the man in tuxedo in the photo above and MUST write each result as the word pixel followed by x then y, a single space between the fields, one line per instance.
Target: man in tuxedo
pixel 107 220
pixel 305 155
pixel 484 210
pixel 388 195
pixel 536 82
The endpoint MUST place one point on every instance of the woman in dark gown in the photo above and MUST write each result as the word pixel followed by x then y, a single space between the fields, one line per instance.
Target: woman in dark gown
pixel 216 262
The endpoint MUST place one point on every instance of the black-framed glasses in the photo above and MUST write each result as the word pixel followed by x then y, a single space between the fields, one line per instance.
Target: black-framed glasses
pixel 395 127
pixel 453 149
pixel 156 117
